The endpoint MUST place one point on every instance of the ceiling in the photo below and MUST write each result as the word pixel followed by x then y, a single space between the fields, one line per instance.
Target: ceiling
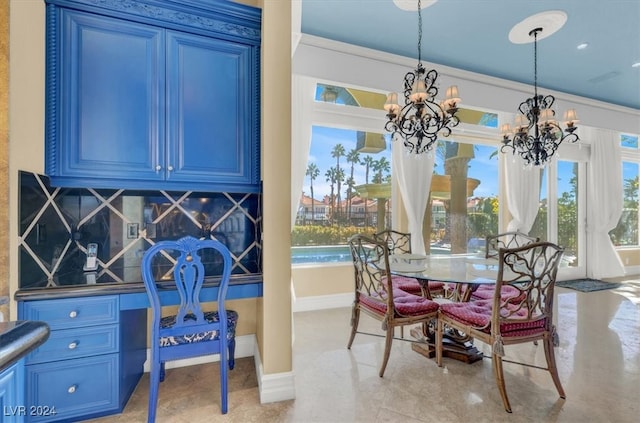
pixel 473 35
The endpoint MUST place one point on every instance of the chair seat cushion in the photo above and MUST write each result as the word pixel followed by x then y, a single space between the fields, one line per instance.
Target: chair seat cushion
pixel 212 335
pixel 478 314
pixel 508 293
pixel 412 286
pixel 406 304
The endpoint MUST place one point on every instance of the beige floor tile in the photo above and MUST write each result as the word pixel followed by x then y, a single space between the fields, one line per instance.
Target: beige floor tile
pixel 598 360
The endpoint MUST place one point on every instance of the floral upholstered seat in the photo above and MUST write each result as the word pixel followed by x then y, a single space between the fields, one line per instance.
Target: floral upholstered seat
pixel 212 335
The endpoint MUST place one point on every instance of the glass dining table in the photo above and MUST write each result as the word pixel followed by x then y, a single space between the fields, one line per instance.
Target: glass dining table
pixel 461 274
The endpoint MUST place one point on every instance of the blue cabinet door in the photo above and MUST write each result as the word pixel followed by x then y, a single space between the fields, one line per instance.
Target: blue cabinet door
pixel 107 117
pixel 134 102
pixel 12 403
pixel 210 110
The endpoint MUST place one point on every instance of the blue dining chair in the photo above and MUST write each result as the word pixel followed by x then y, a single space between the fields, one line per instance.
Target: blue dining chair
pixel 191 332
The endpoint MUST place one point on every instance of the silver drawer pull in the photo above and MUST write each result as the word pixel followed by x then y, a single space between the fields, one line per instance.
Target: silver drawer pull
pixel 73 314
pixel 72 389
pixel 73 345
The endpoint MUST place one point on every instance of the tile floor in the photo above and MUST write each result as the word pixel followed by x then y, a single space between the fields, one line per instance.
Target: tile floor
pixel 598 360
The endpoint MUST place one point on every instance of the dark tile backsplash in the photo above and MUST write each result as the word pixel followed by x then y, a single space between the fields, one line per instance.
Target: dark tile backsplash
pixel 56 224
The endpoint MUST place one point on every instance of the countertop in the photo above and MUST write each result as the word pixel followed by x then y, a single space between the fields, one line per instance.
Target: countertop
pixel 111 288
pixel 19 338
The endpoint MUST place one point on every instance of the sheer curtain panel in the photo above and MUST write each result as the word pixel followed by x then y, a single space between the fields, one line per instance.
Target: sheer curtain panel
pixel 413 173
pixel 604 197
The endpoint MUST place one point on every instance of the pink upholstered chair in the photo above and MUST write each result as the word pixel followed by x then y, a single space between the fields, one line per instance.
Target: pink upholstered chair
pixel 525 315
pixel 512 239
pixel 376 295
pixel 400 243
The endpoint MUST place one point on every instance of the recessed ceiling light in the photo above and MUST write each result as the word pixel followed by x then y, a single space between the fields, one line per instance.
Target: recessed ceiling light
pixel 583 46
pixel 636 65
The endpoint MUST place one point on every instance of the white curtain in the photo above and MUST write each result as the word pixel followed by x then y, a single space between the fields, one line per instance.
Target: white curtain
pixel 605 193
pixel 302 93
pixel 413 173
pixel 522 192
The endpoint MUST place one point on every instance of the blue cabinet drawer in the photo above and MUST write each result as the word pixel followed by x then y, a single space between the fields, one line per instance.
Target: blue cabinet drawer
pixel 80 387
pixel 73 312
pixel 67 344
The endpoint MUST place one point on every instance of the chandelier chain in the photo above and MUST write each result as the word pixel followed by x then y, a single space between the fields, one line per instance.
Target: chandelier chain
pixel 419 31
pixel 535 63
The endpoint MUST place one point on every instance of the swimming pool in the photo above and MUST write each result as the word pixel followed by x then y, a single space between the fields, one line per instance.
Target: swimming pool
pixel 333 254
pixel 320 254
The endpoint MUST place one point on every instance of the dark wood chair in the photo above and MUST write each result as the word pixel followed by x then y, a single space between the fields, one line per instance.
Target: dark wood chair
pixel 191 332
pixel 525 315
pixel 376 296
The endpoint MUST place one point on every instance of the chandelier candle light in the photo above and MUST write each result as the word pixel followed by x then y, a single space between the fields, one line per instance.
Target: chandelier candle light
pixel 536 135
pixel 421 119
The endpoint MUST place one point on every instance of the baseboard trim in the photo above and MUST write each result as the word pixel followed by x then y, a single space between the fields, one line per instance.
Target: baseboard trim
pixel 632 270
pixel 323 302
pixel 245 346
pixel 273 387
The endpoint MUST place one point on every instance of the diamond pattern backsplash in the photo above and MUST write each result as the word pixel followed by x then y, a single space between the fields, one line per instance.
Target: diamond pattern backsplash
pixel 57 224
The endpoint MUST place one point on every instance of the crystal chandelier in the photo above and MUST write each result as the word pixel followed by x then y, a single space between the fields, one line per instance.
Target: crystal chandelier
pixel 419 122
pixel 536 135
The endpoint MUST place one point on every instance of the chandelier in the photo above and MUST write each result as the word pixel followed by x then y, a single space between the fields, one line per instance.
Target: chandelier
pixel 421 119
pixel 536 135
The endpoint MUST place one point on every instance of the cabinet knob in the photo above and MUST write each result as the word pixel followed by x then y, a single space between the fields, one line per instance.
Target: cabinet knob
pixel 72 389
pixel 73 314
pixel 170 168
pixel 158 168
pixel 73 345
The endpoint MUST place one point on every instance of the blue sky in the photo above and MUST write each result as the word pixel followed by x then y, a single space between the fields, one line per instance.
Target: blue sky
pixel 483 166
pixel 324 139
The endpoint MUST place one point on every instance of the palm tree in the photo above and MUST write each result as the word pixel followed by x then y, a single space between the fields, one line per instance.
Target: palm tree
pixel 350 184
pixel 337 152
pixel 330 176
pixel 340 178
pixel 312 173
pixel 368 162
pixel 353 157
pixel 380 166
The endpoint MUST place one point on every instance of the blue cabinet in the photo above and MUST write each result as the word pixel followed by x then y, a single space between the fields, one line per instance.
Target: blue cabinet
pixel 92 361
pixel 12 403
pixel 138 102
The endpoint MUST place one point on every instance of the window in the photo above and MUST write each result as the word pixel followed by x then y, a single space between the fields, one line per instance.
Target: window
pixel 346 188
pixel 464 197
